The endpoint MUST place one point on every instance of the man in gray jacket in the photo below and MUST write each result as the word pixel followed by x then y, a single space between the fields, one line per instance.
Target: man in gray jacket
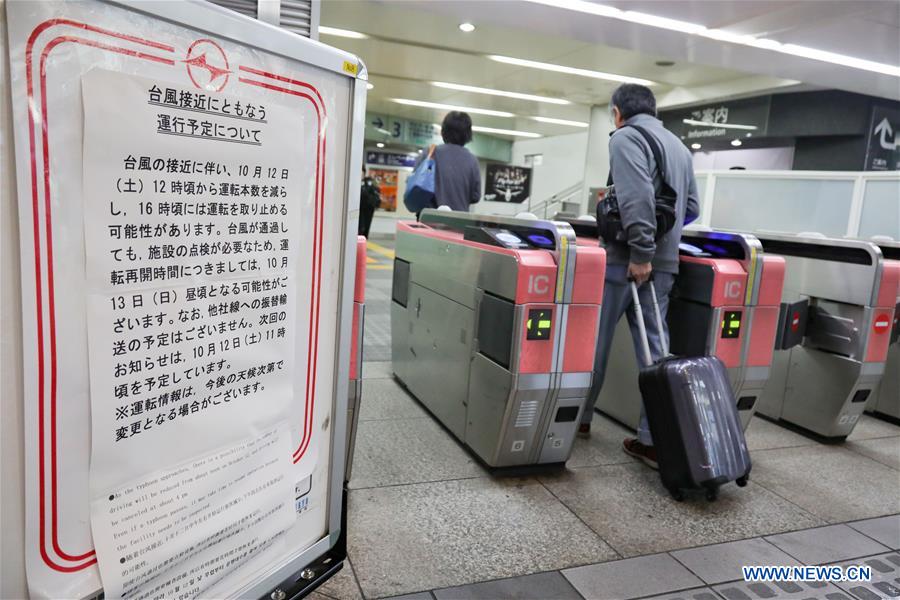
pixel 637 180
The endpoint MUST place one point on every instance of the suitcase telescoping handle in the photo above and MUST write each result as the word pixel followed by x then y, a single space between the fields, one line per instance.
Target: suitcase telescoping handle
pixel 642 328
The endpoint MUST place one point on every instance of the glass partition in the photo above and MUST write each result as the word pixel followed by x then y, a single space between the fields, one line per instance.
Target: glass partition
pixel 788 204
pixel 701 189
pixel 881 209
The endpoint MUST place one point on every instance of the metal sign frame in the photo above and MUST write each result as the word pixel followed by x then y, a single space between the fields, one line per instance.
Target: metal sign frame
pixel 297 574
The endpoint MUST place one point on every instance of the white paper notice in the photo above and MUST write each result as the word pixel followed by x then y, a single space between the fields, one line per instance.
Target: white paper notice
pixel 192 237
pixel 181 530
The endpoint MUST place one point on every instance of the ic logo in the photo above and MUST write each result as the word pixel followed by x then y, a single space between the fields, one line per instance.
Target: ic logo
pixel 538 284
pixel 733 289
pixel 207 64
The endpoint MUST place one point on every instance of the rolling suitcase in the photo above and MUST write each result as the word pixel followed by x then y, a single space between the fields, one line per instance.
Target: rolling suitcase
pixel 693 417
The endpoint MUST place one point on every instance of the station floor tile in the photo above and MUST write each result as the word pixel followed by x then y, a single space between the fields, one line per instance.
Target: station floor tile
pixel 742 590
pixel 628 507
pixel 829 544
pixel 719 563
pixel 631 578
pixel 378 293
pixel 884 530
pixel 831 482
pixel 763 434
pixel 418 596
pixel 884 450
pixel 399 451
pixel 384 399
pixel 377 337
pixel 424 536
pixel 378 370
pixel 885 582
pixel 342 586
pixel 703 593
pixel 870 427
pixel 541 586
pixel 604 447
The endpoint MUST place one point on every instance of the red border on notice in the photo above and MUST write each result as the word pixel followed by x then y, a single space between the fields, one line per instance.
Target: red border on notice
pixel 89 558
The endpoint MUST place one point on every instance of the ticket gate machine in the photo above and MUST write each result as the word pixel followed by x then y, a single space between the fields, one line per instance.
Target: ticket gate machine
pixel 356 353
pixel 849 293
pixel 725 303
pixel 493 325
pixel 885 399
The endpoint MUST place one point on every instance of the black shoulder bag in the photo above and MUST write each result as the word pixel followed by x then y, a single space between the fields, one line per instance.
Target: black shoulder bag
pixel 609 219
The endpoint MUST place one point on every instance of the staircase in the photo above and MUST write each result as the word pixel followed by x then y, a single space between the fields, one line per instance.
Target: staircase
pixel 567 201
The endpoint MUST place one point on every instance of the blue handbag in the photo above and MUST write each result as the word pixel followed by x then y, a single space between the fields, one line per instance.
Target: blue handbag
pixel 420 186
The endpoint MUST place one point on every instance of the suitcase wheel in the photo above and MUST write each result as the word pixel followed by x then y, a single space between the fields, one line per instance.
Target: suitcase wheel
pixel 741 481
pixel 677 495
pixel 712 494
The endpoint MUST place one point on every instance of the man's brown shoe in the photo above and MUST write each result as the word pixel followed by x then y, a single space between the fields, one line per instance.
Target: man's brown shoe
pixel 633 447
pixel 584 430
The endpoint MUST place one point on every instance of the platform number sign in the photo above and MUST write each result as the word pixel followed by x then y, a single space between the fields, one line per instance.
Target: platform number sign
pixel 538 324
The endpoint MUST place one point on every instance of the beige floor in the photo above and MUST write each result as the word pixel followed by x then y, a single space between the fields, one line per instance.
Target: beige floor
pixel 423 515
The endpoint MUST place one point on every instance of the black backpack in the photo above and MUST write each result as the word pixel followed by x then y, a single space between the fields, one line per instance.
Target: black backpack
pixel 609 219
pixel 370 195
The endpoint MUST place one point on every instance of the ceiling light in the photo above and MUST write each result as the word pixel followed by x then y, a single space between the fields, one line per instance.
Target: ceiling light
pixel 466 27
pixel 481 129
pixel 441 106
pixel 719 125
pixel 342 32
pixel 380 145
pixel 624 15
pixel 764 43
pixel 582 6
pixel 561 121
pixel 527 134
pixel 370 86
pixel 661 22
pixel 726 36
pixel 736 143
pixel 721 35
pixel 532 64
pixel 840 59
pixel 491 92
pixel 696 146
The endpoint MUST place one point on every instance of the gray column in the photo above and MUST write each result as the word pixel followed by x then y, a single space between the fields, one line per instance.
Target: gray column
pixel 596 162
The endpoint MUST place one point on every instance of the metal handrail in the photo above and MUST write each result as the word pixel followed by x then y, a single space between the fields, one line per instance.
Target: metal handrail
pixel 556 200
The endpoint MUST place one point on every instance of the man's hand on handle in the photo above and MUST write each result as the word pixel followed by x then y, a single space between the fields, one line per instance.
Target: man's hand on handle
pixel 640 272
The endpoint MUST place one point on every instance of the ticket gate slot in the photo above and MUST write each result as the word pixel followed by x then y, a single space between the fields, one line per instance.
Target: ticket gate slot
pixel 356 353
pixel 494 324
pixel 884 401
pixel 725 303
pixel 822 385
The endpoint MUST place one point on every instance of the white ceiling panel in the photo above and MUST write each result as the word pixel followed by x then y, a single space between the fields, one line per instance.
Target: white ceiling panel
pixel 886 13
pixel 783 19
pixel 843 35
pixel 414 42
pixel 711 13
